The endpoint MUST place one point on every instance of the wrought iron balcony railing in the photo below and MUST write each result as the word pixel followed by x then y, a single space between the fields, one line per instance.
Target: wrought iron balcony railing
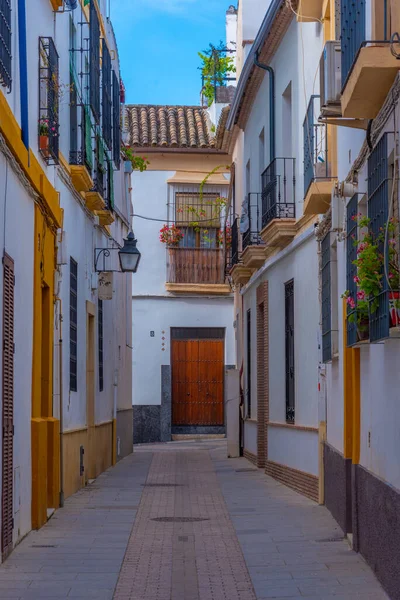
pixel 195 265
pixel 233 254
pixel 316 164
pixel 278 199
pixel 353 28
pixel 252 236
pixel 49 101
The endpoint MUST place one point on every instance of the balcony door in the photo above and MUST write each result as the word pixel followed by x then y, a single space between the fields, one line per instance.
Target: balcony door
pixel 197 359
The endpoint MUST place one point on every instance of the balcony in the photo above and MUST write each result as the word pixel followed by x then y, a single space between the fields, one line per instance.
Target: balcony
pixel 80 176
pixel 368 66
pixel 239 273
pixel 318 179
pixel 253 255
pixel 309 11
pixel 278 204
pixel 196 270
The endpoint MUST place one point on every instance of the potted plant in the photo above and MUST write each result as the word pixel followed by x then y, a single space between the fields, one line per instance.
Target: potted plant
pixel 44 135
pixel 171 235
pixel 139 163
pixel 377 265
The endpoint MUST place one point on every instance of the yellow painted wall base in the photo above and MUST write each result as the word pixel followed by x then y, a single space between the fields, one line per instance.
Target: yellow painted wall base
pixel 97 442
pixel 39 472
pixel 53 463
pixel 114 442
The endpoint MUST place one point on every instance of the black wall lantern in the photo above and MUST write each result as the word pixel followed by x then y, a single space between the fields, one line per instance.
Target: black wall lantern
pixel 129 256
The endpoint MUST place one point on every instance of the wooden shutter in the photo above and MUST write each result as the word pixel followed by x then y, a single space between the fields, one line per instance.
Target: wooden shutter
pixel 8 406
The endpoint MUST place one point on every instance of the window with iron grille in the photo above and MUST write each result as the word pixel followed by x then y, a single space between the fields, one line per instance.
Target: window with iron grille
pixel 199 217
pixel 100 345
pixel 116 121
pixel 5 43
pixel 106 95
pixel 353 26
pixel 73 325
pixel 289 351
pixel 101 170
pixel 248 392
pixel 315 140
pixel 351 269
pixel 49 101
pixel 94 71
pixel 379 185
pixel 326 299
pixel 110 185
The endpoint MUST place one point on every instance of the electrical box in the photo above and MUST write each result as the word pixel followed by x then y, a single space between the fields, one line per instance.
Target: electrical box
pixel 331 79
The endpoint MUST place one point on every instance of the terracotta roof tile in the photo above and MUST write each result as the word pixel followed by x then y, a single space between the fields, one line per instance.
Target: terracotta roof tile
pixel 169 126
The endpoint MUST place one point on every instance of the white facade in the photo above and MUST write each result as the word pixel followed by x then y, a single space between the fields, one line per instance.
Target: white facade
pixel 80 232
pixel 155 310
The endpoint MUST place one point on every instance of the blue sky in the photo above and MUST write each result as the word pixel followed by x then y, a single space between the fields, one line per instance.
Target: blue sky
pixel 158 41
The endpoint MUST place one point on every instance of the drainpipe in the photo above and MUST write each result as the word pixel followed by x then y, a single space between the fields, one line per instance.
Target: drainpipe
pixel 60 358
pixel 23 71
pixel 271 103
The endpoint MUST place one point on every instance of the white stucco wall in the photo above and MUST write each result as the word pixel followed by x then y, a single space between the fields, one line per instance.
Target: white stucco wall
pixel 17 215
pixel 159 315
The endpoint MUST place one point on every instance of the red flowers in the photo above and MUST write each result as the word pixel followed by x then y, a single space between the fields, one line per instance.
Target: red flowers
pixel 171 235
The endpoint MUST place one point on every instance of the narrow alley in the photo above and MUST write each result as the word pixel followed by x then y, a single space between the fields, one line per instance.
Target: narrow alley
pixel 179 521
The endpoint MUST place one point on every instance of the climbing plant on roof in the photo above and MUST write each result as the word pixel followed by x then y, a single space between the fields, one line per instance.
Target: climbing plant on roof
pixel 216 67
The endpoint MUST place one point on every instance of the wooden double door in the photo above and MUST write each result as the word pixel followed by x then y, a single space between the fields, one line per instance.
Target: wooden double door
pixel 197 360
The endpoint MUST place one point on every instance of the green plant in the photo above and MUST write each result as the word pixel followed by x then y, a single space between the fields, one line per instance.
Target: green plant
pixel 377 265
pixel 44 127
pixel 139 163
pixel 216 67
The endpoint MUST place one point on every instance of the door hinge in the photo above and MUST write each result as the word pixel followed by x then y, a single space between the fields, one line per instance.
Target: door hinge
pixel 14 280
pixel 13 523
pixel 14 347
pixel 13 429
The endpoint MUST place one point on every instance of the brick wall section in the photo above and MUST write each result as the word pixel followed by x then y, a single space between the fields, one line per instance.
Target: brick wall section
pixel 301 482
pixel 262 375
pixel 250 456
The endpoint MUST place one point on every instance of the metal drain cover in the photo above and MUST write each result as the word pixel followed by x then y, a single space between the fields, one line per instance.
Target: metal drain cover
pixel 44 546
pixel 249 470
pixel 326 540
pixel 161 485
pixel 112 507
pixel 179 519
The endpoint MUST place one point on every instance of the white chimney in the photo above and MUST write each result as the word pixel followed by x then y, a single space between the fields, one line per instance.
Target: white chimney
pixel 231 37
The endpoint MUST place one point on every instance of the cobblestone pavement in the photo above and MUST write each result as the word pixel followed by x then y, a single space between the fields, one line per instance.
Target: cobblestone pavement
pixel 181 522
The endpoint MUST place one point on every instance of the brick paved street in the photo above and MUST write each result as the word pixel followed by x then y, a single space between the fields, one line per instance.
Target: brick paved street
pixel 181 522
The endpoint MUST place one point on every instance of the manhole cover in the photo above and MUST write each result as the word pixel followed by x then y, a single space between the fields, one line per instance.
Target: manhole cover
pixel 249 470
pixel 179 519
pixel 111 507
pixel 161 485
pixel 44 546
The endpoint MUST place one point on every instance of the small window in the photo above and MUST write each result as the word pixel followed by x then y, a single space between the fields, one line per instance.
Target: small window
pixel 100 345
pixel 5 43
pixel 73 326
pixel 289 351
pixel 326 299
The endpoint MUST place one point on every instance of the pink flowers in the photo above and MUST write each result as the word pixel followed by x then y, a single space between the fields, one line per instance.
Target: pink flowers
pixel 361 295
pixel 351 302
pixel 356 279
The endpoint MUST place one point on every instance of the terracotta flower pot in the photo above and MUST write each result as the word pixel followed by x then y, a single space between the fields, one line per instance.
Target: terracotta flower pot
pixel 363 329
pixel 394 309
pixel 44 144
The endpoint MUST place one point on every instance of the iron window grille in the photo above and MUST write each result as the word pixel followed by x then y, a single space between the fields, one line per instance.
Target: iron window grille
pixel 100 343
pixel 73 326
pixel 326 299
pixel 351 269
pixel 316 164
pixel 5 44
pixel 248 337
pixel 234 253
pixel 200 217
pixel 116 121
pixel 278 197
pixel 289 351
pixel 353 29
pixel 252 236
pixel 106 95
pixel 110 185
pixel 94 59
pixel 49 101
pixel 379 191
pixel 100 179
